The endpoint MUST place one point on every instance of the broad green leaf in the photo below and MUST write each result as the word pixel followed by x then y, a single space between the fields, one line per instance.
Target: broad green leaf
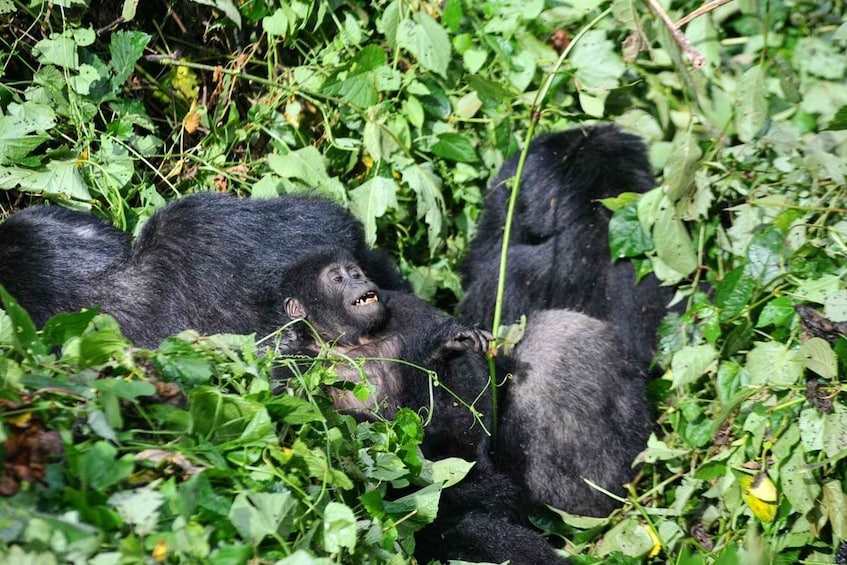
pixel 98 467
pixel 421 505
pixel 125 49
pixel 673 244
pixel 819 357
pixel 752 103
pixel 427 41
pixel 811 429
pixel 691 362
pixel 681 165
pixel 25 336
pixel 276 24
pixel 58 177
pixel 339 527
pixel 771 363
pixel 734 293
pixel 257 515
pixel 764 256
pixel 139 508
pixel 372 200
pixel 127 390
pixel 596 61
pixel 797 482
pixel 450 471
pixel 59 50
pixel 835 306
pixel 307 165
pixel 627 237
pixel 455 147
pixel 834 507
pixel 629 537
pixel 430 202
pixel 777 312
pixel 835 432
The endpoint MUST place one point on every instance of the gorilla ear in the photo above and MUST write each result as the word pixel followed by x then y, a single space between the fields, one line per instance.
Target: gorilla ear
pixel 293 309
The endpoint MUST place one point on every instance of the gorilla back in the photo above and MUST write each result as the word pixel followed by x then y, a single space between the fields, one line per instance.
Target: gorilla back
pixel 49 257
pixel 559 251
pixel 207 262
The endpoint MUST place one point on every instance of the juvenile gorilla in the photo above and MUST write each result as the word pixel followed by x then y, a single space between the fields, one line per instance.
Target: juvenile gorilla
pixel 483 517
pixel 344 308
pixel 206 262
pixel 559 248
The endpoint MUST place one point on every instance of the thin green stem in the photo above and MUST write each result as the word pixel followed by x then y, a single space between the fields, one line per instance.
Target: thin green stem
pixel 535 114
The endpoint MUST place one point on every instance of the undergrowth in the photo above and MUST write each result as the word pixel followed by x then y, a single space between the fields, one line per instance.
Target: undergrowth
pixel 402 111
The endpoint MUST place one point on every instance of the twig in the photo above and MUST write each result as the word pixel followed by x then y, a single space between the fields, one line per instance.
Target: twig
pixel 704 9
pixel 697 60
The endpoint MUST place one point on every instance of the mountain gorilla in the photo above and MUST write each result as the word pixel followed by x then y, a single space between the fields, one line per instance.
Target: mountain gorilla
pixel 481 518
pixel 575 407
pixel 207 262
pixel 559 249
pixel 49 255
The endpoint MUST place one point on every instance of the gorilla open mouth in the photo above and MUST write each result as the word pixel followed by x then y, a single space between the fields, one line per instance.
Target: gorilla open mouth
pixel 369 297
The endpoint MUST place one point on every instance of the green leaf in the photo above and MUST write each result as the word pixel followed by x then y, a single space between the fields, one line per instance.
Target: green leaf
pixel 596 61
pixel 627 237
pixel 691 362
pixel 734 293
pixel 125 49
pixel 673 244
pixel 127 390
pixel 681 165
pixel 629 537
pixel 309 166
pixel 764 256
pixel 455 147
pixel 98 467
pixel 427 41
pixel 24 332
pixel 292 410
pixel 427 186
pixel 751 103
pixel 797 482
pixel 59 50
pixel 819 357
pixel 339 528
pixel 257 515
pixel 450 471
pixel 372 200
pixel 835 432
pixel 139 508
pixel 771 363
pixel 777 312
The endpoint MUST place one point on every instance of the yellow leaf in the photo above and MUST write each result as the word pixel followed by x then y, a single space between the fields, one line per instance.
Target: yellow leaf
pixel 759 493
pixel 191 121
pixel 657 543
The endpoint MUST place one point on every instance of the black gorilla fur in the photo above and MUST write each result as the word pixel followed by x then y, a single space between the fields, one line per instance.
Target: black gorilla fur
pixel 591 330
pixel 559 250
pixel 51 256
pixel 215 264
pixel 594 419
pixel 484 516
pixel 207 262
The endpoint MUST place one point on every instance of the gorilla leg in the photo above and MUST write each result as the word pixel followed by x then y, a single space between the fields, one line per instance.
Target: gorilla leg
pixel 575 409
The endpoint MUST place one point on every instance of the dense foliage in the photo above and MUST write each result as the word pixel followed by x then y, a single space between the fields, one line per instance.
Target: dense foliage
pixel 402 111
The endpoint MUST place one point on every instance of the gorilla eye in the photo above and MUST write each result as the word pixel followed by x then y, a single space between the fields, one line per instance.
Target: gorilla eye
pixel 337 278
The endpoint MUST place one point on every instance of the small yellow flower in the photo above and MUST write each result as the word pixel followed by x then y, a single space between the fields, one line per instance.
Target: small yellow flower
pixel 160 551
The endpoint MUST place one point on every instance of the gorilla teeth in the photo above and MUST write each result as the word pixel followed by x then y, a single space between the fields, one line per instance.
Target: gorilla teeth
pixel 368 298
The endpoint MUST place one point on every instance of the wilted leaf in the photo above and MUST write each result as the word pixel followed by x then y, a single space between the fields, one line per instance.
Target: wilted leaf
pixel 759 493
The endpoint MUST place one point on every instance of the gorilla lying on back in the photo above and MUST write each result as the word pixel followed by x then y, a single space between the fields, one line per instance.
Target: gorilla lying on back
pixel 207 262
pixel 481 518
pixel 559 250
